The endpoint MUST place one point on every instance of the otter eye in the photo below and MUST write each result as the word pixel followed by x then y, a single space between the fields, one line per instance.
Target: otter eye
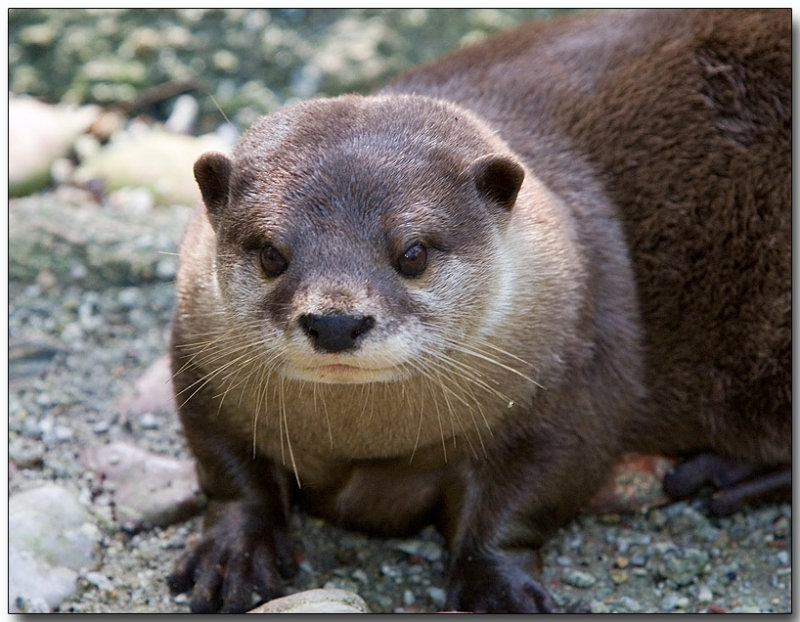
pixel 413 261
pixel 272 262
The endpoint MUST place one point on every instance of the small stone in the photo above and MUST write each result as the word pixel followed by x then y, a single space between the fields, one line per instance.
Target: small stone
pixel 100 581
pixel 621 562
pixel 781 527
pixel 25 453
pixel 341 583
pixel 629 604
pixel 31 429
pixel 437 595
pixel 408 597
pixel 682 567
pixel 148 421
pixel 669 602
pixel 704 594
pixel 62 434
pixel 618 577
pixel 578 578
pixel 657 518
pixel 44 399
pixel 429 551
pixel 390 571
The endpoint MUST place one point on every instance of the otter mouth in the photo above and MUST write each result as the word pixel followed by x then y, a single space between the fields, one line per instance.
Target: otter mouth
pixel 341 373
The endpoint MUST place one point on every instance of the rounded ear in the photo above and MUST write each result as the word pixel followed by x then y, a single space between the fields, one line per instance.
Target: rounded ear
pixel 498 179
pixel 213 174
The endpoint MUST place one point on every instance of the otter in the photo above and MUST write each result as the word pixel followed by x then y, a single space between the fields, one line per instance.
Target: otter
pixel 460 299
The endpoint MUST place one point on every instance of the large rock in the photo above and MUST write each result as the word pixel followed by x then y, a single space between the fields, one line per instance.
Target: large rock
pixel 52 539
pixel 154 159
pixel 38 134
pixel 74 239
pixel 149 490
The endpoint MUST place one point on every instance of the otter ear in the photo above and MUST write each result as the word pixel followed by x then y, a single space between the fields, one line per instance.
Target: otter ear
pixel 498 179
pixel 213 174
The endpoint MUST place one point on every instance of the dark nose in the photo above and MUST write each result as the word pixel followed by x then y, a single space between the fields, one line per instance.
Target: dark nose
pixel 335 333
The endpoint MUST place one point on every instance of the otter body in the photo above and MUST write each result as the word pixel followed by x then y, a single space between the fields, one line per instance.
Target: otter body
pixel 460 299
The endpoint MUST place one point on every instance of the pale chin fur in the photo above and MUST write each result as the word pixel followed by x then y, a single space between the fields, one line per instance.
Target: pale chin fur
pixel 340 374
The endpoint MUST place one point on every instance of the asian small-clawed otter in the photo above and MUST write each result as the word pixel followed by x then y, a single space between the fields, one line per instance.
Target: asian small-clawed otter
pixel 460 299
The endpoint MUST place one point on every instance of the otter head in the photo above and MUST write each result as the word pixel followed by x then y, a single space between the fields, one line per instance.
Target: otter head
pixel 358 237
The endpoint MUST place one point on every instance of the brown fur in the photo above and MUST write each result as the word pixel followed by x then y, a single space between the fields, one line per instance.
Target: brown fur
pixel 631 155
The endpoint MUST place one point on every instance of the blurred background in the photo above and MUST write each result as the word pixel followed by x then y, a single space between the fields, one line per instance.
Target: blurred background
pixel 196 69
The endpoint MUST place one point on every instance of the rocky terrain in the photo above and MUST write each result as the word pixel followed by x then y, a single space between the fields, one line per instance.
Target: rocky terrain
pixel 102 497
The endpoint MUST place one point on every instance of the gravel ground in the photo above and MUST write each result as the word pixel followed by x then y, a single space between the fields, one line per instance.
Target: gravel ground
pixel 90 307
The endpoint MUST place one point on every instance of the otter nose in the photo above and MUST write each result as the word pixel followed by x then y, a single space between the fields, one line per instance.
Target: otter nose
pixel 335 333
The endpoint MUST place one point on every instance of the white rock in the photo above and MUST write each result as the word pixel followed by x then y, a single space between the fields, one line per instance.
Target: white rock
pixel 38 134
pixel 51 538
pixel 316 601
pixel 154 159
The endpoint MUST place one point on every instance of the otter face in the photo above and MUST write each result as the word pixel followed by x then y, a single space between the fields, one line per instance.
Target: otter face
pixel 354 242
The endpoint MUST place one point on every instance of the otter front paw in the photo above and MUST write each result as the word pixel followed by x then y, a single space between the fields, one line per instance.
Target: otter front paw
pixel 491 585
pixel 238 554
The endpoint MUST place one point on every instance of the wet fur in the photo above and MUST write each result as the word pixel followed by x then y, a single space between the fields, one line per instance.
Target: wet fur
pixel 635 294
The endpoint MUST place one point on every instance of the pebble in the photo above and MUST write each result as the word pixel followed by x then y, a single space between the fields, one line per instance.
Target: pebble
pixel 658 518
pixel 704 594
pixel 359 575
pixel 781 527
pixel 578 578
pixel 25 453
pixel 682 567
pixel 99 580
pixel 427 550
pixel 626 603
pixel 437 595
pixel 148 421
pixel 391 571
pixel 674 601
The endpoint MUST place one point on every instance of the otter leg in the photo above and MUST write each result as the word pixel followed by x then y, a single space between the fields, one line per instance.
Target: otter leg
pixel 768 483
pixel 736 482
pixel 246 545
pixel 523 490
